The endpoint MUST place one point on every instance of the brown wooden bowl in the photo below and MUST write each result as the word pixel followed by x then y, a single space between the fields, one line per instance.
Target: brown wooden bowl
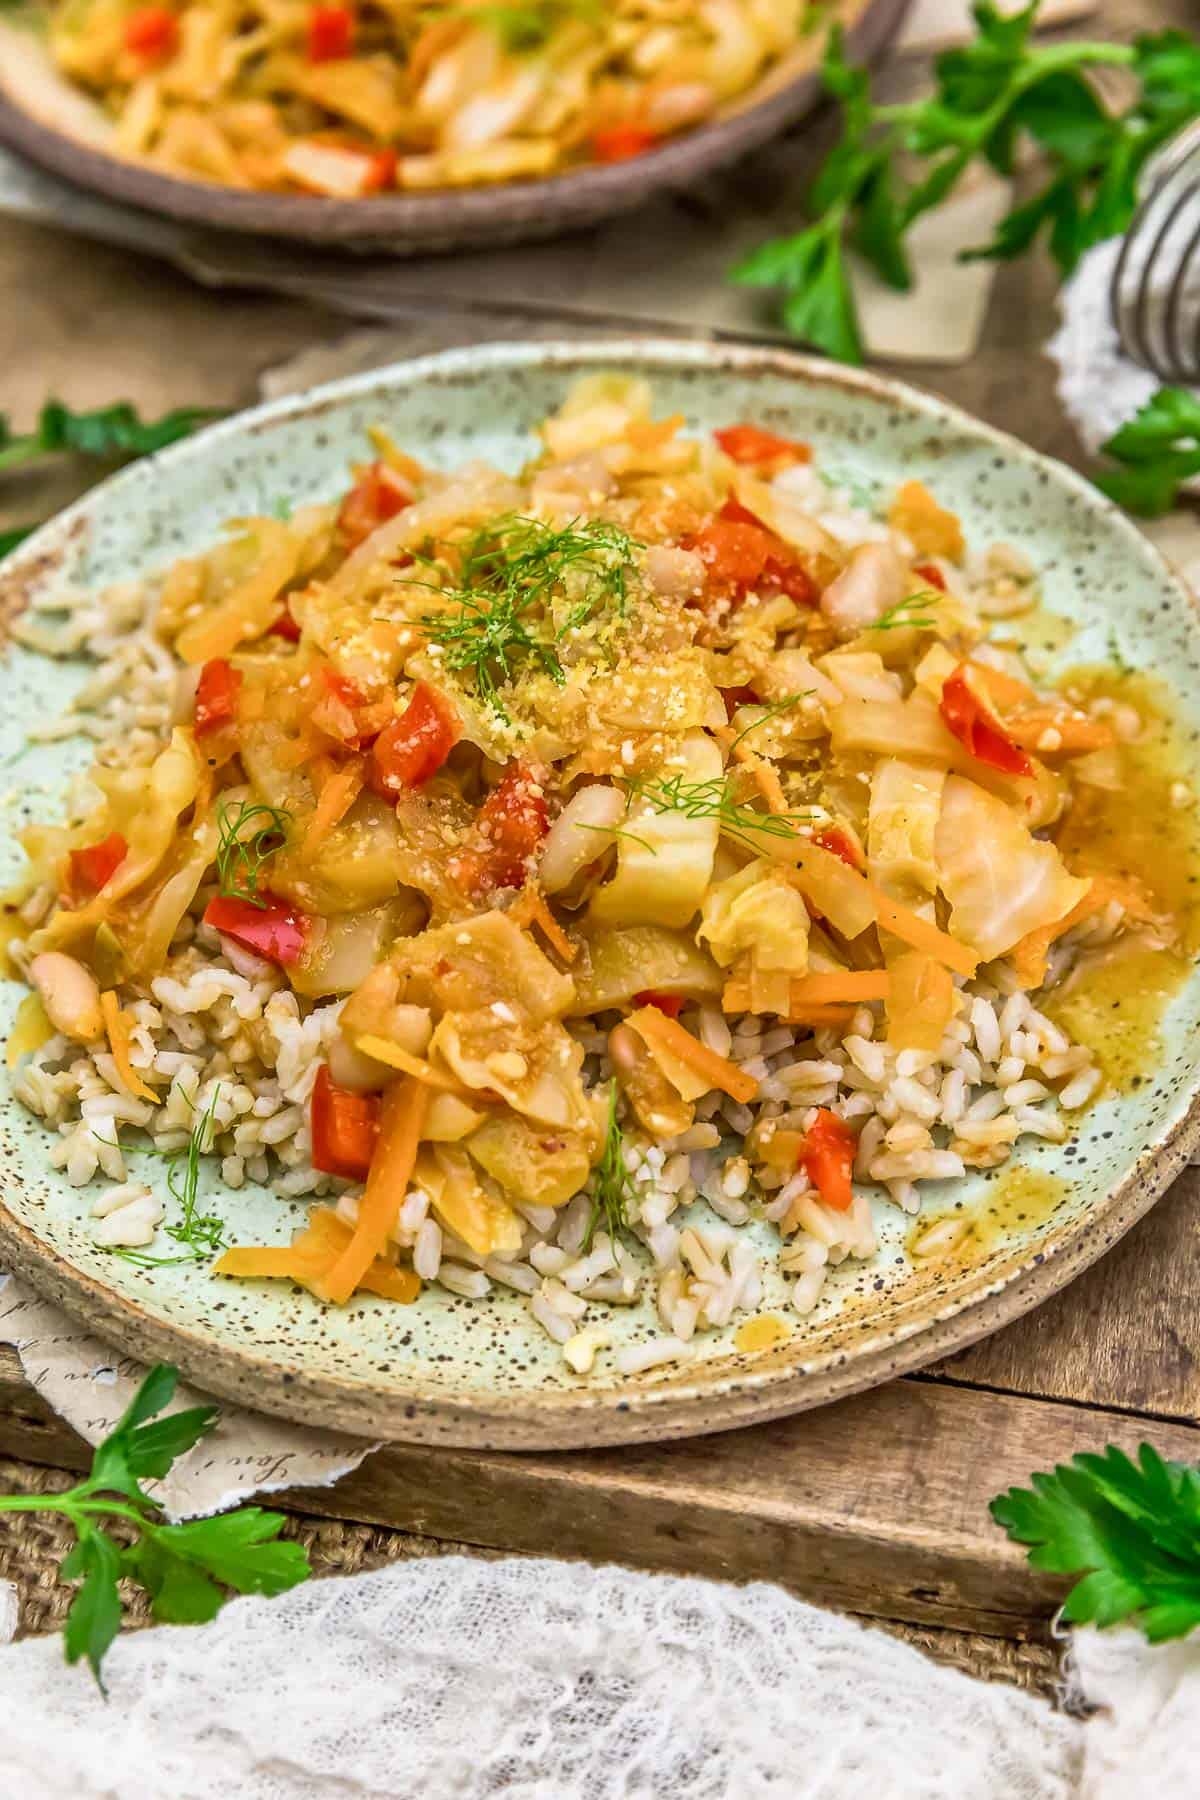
pixel 49 123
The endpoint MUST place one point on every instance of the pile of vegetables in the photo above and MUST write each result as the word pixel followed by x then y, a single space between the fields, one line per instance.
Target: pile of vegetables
pixel 348 101
pixel 625 738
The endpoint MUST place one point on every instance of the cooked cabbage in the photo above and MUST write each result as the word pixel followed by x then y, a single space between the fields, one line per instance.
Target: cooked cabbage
pixel 1001 881
pixel 757 911
pixel 615 965
pixel 906 800
pixel 664 858
pixel 484 1220
pixel 538 1167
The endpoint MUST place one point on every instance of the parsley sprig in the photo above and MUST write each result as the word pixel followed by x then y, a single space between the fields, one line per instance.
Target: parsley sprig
pixel 184 1568
pixel 1158 450
pixel 247 840
pixel 522 586
pixel 611 1183
pixel 109 434
pixel 1131 1531
pixel 896 162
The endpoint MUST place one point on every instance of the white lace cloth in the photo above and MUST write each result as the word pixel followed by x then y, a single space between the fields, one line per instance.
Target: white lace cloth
pixel 457 1679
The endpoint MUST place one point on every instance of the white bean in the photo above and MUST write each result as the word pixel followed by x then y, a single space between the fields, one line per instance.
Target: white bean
pixel 579 835
pixel 69 994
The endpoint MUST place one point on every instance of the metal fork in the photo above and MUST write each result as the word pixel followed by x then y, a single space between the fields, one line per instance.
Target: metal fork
pixel 1154 295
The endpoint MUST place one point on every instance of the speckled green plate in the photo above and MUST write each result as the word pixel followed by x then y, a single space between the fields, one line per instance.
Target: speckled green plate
pixel 481 1373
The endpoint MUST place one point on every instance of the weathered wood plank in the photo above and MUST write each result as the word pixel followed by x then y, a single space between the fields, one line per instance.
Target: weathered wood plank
pixel 1125 1335
pixel 877 1505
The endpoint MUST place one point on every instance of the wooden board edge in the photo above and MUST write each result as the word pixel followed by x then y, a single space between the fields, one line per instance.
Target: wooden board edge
pixel 876 1506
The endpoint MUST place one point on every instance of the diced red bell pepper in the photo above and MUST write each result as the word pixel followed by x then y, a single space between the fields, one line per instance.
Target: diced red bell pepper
pixel 330 33
pixel 414 746
pixel 740 554
pixel 827 1158
pixel 345 1128
pixel 339 171
pixel 671 1004
pixel 931 575
pixel 839 844
pixel 617 143
pixel 285 626
pixel 151 34
pixel 750 444
pixel 275 930
pixel 216 696
pixel 377 496
pixel 512 821
pixel 90 869
pixel 972 721
pixel 346 713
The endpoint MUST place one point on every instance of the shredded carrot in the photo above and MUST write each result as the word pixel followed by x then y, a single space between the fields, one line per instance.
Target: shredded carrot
pixel 820 1015
pixel 116 1023
pixel 307 1257
pixel 1029 954
pixel 336 797
pixel 840 987
pixel 1077 733
pixel 656 1029
pixel 401 1118
pixel 384 1051
pixel 531 908
pixel 652 434
pixel 910 928
pixel 766 777
pixel 1005 689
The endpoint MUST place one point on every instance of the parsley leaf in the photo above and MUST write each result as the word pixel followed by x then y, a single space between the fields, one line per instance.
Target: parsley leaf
pixel 893 163
pixel 1158 450
pixel 184 1568
pixel 1130 1530
pixel 110 431
pixel 14 536
pixel 109 434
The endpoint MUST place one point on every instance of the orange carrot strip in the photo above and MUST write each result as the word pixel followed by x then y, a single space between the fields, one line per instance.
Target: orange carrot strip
pixel 401 1118
pixel 336 798
pixel 1029 954
pixel 820 1015
pixel 656 1028
pixel 840 987
pixel 531 908
pixel 910 928
pixel 1077 734
pixel 384 1051
pixel 116 1023
pixel 308 1256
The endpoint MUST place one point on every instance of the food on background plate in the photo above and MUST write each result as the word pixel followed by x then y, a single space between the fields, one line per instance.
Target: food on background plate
pixel 348 101
pixel 574 880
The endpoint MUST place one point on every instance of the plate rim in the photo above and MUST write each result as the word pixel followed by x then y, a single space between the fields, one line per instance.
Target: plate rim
pixel 446 218
pixel 683 1404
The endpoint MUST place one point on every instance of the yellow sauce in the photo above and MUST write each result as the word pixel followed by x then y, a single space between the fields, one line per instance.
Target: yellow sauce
pixel 31 1029
pixel 1018 1198
pixel 1039 629
pixel 1115 1006
pixel 762 1332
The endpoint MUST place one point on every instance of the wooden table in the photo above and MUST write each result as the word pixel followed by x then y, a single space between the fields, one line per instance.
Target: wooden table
pixel 878 1504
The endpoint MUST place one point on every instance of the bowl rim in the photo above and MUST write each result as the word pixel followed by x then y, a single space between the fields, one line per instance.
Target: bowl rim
pixel 448 218
pixel 691 1403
